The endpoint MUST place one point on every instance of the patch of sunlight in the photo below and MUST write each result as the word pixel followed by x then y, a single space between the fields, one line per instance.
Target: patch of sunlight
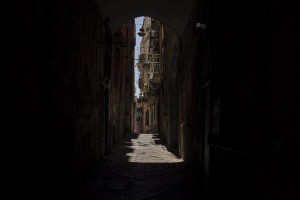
pixel 133 160
pixel 145 150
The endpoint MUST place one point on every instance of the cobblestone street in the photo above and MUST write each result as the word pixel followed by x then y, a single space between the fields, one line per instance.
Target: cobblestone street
pixel 141 168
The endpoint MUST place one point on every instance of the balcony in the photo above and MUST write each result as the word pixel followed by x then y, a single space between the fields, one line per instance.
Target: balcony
pixel 156 68
pixel 156 58
pixel 149 58
pixel 155 24
pixel 142 58
pixel 141 83
pixel 156 76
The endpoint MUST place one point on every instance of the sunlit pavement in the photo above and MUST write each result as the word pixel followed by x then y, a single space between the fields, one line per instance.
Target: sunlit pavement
pixel 141 168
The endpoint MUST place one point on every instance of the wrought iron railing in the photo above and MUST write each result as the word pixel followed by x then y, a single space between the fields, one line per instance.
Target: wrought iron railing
pixel 156 67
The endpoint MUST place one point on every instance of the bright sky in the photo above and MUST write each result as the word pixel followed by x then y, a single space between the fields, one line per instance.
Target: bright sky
pixel 139 23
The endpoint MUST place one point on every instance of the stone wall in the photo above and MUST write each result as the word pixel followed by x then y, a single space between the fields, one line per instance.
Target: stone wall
pixel 121 85
pixel 56 88
pixel 232 133
pixel 169 91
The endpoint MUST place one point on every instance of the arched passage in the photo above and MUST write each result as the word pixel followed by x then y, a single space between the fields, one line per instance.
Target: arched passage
pixel 238 80
pixel 173 13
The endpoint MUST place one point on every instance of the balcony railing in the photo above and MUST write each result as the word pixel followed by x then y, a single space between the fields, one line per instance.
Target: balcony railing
pixel 156 58
pixel 156 67
pixel 149 58
pixel 153 70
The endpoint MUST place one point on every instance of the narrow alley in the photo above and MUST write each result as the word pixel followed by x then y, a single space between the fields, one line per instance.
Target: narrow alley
pixel 215 82
pixel 139 168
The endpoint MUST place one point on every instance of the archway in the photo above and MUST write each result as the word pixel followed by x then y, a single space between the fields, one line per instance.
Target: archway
pixel 173 13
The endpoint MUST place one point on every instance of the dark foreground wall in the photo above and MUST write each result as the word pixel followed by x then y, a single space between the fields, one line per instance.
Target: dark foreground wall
pixel 56 92
pixel 239 99
pixel 51 90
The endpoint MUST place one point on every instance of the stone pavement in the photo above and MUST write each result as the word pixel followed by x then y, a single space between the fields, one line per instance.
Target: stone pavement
pixel 141 168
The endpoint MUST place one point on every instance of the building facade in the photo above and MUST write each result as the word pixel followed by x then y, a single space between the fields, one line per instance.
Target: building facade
pixel 121 83
pixel 149 78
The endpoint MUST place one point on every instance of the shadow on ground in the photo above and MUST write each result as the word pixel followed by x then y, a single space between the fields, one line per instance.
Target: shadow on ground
pixel 140 168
